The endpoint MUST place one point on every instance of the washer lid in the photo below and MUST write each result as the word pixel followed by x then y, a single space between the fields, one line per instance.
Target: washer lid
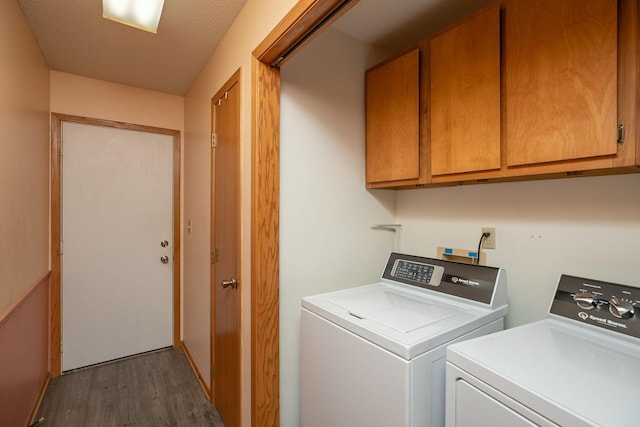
pixel 394 309
pixel 403 319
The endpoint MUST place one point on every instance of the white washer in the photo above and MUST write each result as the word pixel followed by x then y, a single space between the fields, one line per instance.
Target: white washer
pixel 578 367
pixel 374 355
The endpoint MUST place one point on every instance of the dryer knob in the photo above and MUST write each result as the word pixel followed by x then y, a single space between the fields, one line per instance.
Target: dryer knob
pixel 585 301
pixel 621 309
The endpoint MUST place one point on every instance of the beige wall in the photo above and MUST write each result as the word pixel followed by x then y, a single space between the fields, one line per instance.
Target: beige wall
pixel 24 157
pixel 82 96
pixel 256 20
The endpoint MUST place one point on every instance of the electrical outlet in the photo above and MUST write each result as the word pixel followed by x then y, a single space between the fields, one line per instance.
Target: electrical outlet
pixel 489 242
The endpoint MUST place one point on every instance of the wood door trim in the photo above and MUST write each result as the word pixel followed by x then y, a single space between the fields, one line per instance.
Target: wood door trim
pixel 265 200
pixel 303 19
pixel 56 138
pixel 265 240
pixel 235 79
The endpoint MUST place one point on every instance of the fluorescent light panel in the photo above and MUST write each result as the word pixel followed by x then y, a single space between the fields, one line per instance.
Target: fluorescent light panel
pixel 142 14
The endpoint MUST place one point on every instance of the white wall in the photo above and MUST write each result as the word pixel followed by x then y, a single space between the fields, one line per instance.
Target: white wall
pixel 582 226
pixel 326 214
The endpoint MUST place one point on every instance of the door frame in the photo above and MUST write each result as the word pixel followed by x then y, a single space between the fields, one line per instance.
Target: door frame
pixel 235 79
pixel 306 20
pixel 55 304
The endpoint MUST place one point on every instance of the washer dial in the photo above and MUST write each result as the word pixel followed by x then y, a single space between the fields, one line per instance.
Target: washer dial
pixel 621 309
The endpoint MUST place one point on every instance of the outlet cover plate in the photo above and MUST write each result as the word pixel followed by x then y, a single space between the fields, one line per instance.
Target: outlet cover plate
pixel 489 242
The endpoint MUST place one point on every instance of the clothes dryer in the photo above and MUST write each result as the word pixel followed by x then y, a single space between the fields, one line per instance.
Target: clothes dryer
pixel 578 367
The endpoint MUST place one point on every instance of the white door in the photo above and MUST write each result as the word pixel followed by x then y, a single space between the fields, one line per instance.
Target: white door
pixel 116 211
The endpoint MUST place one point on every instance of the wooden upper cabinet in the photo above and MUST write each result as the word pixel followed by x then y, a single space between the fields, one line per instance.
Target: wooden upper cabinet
pixel 522 88
pixel 392 123
pixel 561 80
pixel 465 96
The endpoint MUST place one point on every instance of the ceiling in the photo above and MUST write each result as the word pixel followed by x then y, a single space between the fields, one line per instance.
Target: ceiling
pixel 74 38
pixel 396 25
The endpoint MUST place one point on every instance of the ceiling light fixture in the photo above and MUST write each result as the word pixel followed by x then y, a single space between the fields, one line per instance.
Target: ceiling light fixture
pixel 141 14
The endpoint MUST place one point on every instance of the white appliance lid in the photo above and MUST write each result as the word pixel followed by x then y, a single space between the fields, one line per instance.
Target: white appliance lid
pixel 402 319
pixel 563 372
pixel 394 309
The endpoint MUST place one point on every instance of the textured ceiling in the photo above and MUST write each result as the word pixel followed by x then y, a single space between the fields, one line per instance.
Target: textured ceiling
pixel 74 38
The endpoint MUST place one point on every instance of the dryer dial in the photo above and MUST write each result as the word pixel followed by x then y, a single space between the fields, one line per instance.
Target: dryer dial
pixel 586 301
pixel 621 309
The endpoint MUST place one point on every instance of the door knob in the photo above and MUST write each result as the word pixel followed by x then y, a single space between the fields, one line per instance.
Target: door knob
pixel 164 243
pixel 233 283
pixel 164 259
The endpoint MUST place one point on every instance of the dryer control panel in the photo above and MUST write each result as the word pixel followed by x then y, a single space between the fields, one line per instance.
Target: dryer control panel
pixel 472 282
pixel 606 305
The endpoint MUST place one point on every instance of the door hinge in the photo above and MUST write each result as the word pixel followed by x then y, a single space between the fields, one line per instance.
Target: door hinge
pixel 61 246
pixel 214 143
pixel 621 133
pixel 213 255
pixel 213 371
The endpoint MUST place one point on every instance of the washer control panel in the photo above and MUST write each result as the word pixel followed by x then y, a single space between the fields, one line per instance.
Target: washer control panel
pixel 419 272
pixel 607 305
pixel 472 282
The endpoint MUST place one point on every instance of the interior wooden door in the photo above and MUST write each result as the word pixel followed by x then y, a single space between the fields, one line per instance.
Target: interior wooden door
pixel 561 80
pixel 226 284
pixel 117 201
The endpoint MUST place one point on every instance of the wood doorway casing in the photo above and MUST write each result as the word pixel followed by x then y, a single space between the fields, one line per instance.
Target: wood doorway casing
pixel 306 20
pixel 56 138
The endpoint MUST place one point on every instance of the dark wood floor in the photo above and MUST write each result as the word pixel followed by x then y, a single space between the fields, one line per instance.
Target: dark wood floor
pixel 154 389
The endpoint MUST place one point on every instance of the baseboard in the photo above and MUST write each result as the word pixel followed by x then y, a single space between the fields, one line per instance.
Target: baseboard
pixel 195 370
pixel 34 414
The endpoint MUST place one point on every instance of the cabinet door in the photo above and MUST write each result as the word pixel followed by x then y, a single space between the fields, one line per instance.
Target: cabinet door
pixel 392 131
pixel 465 96
pixel 561 80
